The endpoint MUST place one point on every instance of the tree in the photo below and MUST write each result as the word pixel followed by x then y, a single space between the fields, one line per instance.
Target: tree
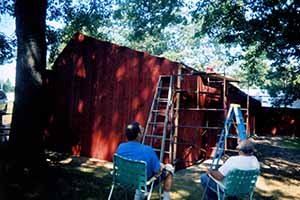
pixel 26 128
pixel 6 49
pixel 88 17
pixel 269 26
pixel 31 31
pixel 136 24
pixel 6 43
pixel 7 86
pixel 148 17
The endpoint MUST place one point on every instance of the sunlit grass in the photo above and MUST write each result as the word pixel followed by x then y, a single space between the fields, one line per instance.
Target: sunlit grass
pixel 291 143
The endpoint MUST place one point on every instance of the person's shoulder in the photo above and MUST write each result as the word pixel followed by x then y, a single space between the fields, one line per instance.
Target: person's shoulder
pixel 147 146
pixel 234 159
pixel 122 144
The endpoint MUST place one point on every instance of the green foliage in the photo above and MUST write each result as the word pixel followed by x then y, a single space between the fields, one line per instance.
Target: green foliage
pixel 7 7
pixel 7 44
pixel 7 86
pixel 255 41
pixel 270 27
pixel 148 18
pixel 88 17
pixel 6 49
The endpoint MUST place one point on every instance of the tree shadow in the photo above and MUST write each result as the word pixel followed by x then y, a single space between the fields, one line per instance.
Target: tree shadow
pixel 279 163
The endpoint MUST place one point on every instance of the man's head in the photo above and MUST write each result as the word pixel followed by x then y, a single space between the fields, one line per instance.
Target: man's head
pixel 246 147
pixel 133 131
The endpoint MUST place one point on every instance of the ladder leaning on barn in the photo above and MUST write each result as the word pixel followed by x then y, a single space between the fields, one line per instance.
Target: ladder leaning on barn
pixel 159 125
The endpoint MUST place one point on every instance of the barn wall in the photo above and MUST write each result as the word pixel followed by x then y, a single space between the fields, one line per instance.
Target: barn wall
pixel 279 121
pixel 97 88
pixel 195 143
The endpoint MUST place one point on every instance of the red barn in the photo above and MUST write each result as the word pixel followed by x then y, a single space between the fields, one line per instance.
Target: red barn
pixel 96 88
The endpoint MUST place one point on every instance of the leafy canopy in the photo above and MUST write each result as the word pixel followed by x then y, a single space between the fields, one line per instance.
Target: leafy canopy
pixel 271 27
pixel 265 31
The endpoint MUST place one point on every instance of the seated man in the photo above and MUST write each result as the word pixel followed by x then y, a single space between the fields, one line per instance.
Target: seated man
pixel 244 161
pixel 133 149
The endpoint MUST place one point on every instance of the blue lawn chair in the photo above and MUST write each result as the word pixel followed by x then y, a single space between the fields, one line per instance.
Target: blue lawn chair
pixel 238 183
pixel 131 175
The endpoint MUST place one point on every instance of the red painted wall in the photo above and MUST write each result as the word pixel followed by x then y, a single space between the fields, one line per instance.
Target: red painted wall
pixel 279 121
pixel 96 88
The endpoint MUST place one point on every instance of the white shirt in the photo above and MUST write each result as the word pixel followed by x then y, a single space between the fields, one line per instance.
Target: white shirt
pixel 239 162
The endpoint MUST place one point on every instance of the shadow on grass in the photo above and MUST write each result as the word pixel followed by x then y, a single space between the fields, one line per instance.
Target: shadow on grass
pixel 58 181
pixel 278 163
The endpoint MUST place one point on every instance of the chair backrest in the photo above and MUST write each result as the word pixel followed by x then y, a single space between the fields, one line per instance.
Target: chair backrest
pixel 130 174
pixel 240 182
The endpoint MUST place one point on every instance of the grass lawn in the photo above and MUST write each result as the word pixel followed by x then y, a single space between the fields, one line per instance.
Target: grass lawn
pixel 79 178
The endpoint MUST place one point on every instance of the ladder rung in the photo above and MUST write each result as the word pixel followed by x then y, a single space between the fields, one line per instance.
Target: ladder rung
pixel 157 136
pixel 160 151
pixel 163 88
pixel 197 92
pixel 160 112
pixel 164 100
pixel 216 81
pixel 158 123
pixel 154 136
pixel 205 127
pixel 230 136
pixel 199 109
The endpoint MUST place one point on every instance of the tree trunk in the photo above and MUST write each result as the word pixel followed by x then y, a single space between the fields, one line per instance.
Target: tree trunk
pixel 26 139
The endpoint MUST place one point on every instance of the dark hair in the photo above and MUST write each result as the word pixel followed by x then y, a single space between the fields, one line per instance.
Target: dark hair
pixel 132 130
pixel 247 147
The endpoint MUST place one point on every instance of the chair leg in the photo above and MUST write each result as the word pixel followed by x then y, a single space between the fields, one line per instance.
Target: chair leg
pixel 205 190
pixel 111 191
pixel 251 195
pixel 150 191
pixel 218 192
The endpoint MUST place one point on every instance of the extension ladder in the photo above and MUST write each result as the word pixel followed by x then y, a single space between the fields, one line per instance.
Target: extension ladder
pixel 159 128
pixel 234 113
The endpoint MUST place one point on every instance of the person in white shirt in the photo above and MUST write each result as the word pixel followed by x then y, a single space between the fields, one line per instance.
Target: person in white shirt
pixel 244 161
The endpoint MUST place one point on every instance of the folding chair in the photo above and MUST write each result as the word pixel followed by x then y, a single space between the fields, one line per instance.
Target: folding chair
pixel 131 175
pixel 237 183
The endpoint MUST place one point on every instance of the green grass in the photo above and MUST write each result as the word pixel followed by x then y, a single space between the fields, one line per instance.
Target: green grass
pixel 291 143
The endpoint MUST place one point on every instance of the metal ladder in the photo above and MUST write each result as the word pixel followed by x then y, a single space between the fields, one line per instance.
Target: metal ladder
pixel 234 111
pixel 159 127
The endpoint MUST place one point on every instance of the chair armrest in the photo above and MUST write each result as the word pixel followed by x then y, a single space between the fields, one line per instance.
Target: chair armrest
pixel 151 180
pixel 221 184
